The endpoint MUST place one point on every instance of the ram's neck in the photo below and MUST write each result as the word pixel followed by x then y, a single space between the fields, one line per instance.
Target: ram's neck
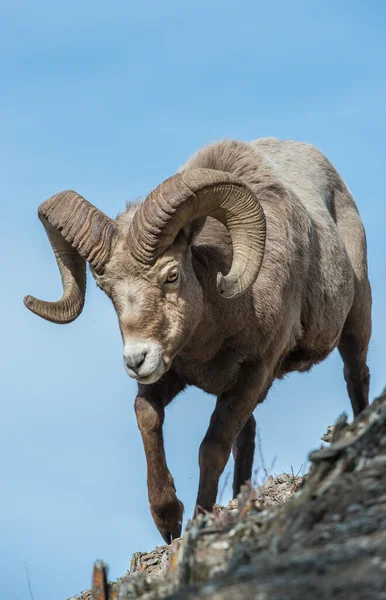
pixel 221 318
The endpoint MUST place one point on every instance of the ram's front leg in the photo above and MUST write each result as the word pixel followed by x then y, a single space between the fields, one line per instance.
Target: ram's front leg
pixel 232 411
pixel 150 404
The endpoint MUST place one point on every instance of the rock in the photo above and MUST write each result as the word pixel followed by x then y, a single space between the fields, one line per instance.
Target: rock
pixel 321 536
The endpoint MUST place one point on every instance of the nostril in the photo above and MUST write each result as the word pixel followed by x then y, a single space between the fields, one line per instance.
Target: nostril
pixel 135 362
pixel 141 360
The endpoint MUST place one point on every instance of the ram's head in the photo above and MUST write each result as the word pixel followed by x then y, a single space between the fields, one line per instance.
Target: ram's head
pixel 147 271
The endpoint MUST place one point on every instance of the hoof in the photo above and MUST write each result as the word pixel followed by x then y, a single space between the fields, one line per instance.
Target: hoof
pixel 169 536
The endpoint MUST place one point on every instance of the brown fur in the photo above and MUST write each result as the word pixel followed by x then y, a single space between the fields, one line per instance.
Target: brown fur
pixel 312 295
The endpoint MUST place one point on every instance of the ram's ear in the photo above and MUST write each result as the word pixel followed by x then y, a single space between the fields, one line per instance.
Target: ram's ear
pixel 191 230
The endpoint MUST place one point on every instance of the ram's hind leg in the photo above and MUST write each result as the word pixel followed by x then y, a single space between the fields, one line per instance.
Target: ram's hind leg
pixel 243 450
pixel 353 348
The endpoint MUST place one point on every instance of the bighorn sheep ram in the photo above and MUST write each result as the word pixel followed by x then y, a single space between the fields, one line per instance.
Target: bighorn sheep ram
pixel 246 265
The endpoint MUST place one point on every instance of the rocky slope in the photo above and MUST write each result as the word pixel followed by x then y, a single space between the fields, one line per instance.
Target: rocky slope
pixel 323 536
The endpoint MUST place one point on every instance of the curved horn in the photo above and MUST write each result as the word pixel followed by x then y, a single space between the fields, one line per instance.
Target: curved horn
pixel 77 232
pixel 192 195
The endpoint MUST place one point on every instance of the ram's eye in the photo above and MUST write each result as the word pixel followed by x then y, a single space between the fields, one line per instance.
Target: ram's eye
pixel 172 276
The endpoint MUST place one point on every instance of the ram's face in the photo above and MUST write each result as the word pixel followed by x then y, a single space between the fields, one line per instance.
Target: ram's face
pixel 158 308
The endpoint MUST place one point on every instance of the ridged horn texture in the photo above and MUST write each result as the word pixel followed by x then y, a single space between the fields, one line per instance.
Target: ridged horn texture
pixel 192 195
pixel 77 232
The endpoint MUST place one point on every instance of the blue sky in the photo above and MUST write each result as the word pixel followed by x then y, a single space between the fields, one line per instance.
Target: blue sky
pixel 109 99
